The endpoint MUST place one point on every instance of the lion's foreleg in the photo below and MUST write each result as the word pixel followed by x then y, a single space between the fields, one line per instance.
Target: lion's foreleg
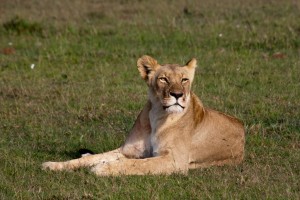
pixel 86 161
pixel 154 165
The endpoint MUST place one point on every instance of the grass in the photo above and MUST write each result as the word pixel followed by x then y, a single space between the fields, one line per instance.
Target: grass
pixel 85 92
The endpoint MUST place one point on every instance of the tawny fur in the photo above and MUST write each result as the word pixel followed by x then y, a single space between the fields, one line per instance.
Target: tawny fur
pixel 172 134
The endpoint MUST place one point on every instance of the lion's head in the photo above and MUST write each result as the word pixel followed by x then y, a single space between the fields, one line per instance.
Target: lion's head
pixel 169 84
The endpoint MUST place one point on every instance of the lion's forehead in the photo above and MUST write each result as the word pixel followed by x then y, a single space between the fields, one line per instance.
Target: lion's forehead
pixel 172 71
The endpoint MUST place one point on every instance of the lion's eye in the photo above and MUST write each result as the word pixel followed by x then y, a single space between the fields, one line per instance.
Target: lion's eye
pixel 184 80
pixel 163 79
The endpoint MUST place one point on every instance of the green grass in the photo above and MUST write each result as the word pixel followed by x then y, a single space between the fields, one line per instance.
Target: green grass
pixel 85 92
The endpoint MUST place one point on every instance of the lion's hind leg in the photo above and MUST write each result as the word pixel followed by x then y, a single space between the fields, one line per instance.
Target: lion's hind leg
pixel 85 161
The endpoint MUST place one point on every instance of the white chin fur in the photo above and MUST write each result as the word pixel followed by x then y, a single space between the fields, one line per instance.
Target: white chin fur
pixel 174 109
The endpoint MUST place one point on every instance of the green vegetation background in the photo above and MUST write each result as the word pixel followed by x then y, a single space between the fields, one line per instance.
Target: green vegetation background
pixel 68 80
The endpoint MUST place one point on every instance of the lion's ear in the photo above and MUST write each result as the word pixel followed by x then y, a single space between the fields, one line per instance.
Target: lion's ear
pixel 192 64
pixel 146 65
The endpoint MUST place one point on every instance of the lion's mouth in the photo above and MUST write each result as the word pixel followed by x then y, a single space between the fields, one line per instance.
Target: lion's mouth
pixel 175 104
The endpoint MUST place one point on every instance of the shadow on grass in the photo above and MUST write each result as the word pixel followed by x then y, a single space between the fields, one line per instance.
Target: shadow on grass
pixel 73 154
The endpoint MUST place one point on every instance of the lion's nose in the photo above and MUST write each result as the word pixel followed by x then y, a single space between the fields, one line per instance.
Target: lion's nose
pixel 177 95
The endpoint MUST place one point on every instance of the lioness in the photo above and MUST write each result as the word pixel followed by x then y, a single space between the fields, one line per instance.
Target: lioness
pixel 173 132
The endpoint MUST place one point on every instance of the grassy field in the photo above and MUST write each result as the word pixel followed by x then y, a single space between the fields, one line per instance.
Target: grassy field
pixel 68 80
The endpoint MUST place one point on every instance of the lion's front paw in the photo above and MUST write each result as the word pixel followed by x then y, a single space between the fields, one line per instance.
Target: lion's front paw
pixel 55 166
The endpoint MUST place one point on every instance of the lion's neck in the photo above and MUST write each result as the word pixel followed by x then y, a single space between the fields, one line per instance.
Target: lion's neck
pixel 160 121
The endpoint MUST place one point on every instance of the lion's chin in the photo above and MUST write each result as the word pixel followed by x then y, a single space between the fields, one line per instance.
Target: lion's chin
pixel 174 109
